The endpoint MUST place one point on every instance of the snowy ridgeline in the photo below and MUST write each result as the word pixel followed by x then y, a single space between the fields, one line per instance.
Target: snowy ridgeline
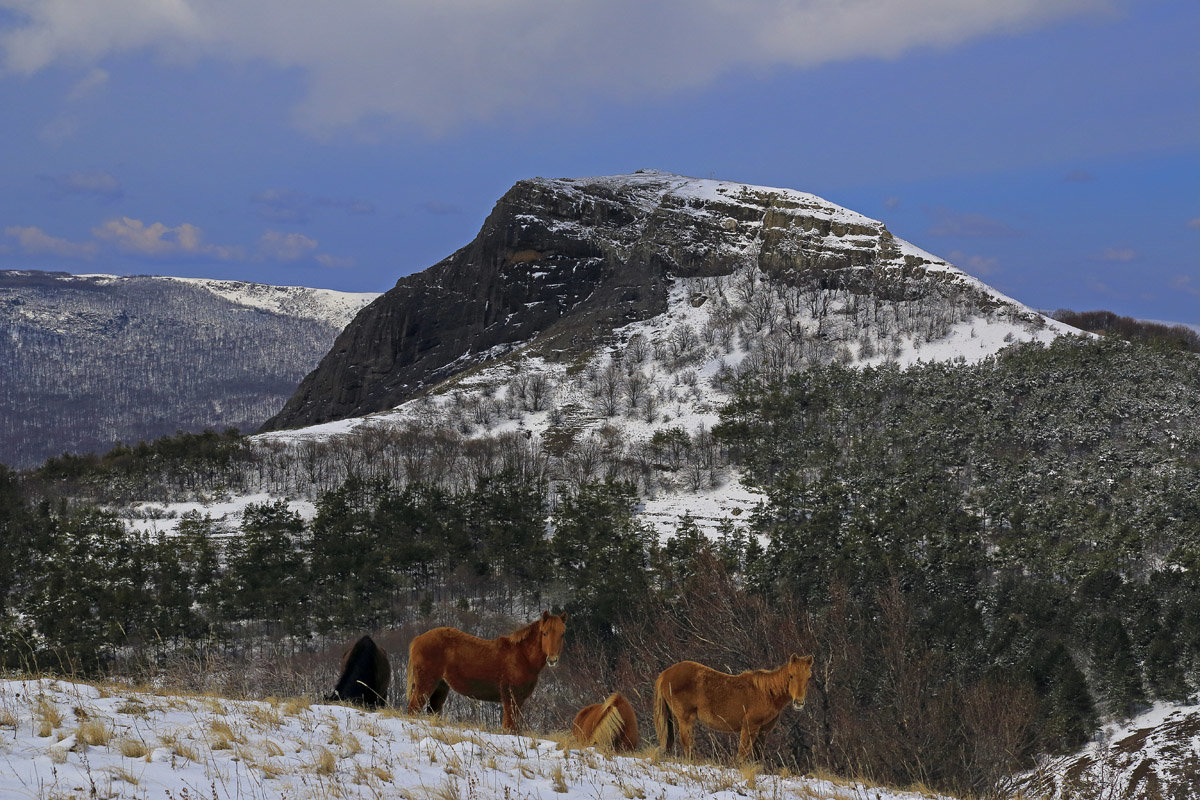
pixel 67 740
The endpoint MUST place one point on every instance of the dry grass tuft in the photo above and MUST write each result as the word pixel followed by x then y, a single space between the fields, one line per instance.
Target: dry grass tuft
pixel 134 708
pixel 183 750
pixel 47 714
pixel 221 736
pixel 324 762
pixel 131 748
pixel 120 773
pixel 750 773
pixel 294 706
pixel 264 717
pixel 558 780
pixel 94 732
pixel 8 718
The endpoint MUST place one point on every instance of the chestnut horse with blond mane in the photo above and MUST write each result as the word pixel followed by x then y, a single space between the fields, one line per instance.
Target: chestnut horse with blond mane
pixel 610 725
pixel 749 703
pixel 503 670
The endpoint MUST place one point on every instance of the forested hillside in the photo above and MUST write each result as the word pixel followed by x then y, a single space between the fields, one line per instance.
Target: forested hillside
pixel 986 559
pixel 90 361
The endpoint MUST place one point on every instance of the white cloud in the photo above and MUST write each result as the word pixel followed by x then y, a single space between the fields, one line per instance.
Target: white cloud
pixel 1183 283
pixel 91 83
pixel 440 63
pixel 1120 254
pixel 975 264
pixel 34 241
pixel 278 246
pixel 948 222
pixel 158 240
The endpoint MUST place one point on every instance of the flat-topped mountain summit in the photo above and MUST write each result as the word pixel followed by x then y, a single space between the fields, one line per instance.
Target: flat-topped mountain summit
pixel 561 263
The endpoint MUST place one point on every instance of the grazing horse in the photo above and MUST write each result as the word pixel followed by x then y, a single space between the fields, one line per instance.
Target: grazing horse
pixel 503 670
pixel 748 703
pixel 366 674
pixel 610 725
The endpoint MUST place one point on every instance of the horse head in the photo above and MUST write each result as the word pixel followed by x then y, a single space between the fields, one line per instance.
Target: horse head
pixel 799 670
pixel 552 628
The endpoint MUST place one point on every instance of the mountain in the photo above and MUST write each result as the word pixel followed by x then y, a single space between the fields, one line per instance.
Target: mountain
pixel 92 360
pixel 560 264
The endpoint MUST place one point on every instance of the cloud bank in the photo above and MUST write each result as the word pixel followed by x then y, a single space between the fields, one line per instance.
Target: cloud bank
pixel 442 63
pixel 161 243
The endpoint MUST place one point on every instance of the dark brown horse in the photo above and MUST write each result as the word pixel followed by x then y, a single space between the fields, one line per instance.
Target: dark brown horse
pixel 749 703
pixel 610 725
pixel 503 670
pixel 366 675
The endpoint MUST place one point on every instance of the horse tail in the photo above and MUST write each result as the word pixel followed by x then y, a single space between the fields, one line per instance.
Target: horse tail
pixel 410 678
pixel 664 722
pixel 609 723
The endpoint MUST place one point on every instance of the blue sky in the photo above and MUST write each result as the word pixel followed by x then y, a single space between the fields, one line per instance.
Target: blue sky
pixel 1050 147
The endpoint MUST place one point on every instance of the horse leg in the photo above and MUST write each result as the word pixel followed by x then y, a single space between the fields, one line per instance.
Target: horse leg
pixel 437 697
pixel 748 744
pixel 686 733
pixel 512 709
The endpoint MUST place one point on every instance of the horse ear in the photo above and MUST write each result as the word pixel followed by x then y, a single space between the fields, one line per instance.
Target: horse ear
pixel 793 658
pixel 545 616
pixel 563 616
pixel 807 661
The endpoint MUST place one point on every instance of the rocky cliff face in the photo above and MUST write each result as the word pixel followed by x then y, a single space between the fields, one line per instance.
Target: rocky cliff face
pixel 561 263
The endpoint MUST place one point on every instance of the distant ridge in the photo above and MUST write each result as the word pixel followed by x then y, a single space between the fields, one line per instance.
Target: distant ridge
pixel 92 360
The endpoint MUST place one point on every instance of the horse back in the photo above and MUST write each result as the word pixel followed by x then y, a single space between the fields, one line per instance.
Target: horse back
pixel 471 666
pixel 720 700
pixel 366 674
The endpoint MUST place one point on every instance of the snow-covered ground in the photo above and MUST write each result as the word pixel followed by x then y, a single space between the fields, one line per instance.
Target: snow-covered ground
pixel 152 518
pixel 1154 755
pixel 327 305
pixel 70 740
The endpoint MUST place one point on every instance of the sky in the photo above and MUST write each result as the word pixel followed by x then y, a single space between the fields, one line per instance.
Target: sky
pixel 1049 147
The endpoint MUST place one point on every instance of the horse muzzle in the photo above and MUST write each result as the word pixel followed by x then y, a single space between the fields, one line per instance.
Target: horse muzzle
pixel 798 704
pixel 552 661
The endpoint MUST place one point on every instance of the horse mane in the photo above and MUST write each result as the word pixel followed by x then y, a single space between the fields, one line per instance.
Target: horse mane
pixel 609 723
pixel 771 681
pixel 521 634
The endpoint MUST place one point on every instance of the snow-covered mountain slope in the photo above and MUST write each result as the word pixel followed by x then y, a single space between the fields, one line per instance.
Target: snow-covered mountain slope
pixel 321 305
pixel 66 739
pixel 1153 755
pixel 560 265
pixel 673 371
pixel 90 360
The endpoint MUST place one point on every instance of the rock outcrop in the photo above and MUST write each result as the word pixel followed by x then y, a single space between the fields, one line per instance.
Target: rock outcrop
pixel 561 263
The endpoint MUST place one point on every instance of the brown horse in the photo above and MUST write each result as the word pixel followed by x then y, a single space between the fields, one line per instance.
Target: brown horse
pixel 748 703
pixel 366 675
pixel 503 670
pixel 610 725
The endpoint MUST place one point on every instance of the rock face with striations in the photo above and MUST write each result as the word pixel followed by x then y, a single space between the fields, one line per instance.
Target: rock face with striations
pixel 564 262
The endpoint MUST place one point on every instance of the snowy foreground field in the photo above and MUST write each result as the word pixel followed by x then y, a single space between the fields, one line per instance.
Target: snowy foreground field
pixel 61 740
